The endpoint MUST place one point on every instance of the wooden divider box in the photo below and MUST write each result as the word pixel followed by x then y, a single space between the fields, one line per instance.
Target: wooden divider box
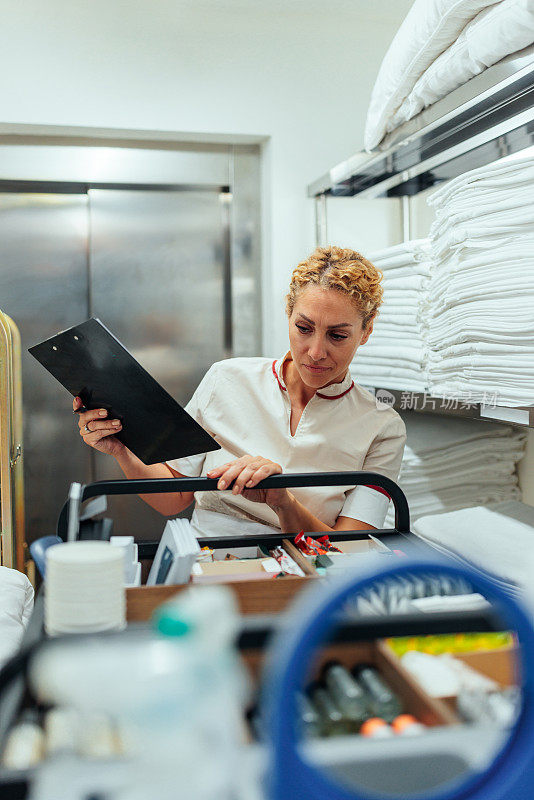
pixel 429 710
pixel 266 596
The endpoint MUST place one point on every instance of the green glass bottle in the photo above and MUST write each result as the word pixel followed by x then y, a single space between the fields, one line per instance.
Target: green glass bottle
pixel 347 694
pixel 382 701
pixel 332 722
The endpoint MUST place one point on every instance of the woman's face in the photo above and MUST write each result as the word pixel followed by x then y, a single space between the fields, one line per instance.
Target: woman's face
pixel 325 330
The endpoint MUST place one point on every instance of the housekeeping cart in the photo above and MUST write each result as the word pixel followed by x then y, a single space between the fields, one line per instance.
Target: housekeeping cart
pixel 253 597
pixel 313 621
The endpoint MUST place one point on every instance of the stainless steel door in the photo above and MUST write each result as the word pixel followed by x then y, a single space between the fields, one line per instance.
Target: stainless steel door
pixel 43 287
pixel 158 266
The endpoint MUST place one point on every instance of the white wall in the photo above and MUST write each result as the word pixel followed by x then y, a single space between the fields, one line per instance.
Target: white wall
pixel 299 72
pixel 364 225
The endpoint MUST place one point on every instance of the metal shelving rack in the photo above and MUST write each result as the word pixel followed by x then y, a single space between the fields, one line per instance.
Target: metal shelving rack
pixel 489 117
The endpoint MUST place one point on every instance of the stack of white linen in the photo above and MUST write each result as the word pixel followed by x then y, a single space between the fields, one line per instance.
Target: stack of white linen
pixel 392 357
pixel 452 463
pixel 499 542
pixel 476 310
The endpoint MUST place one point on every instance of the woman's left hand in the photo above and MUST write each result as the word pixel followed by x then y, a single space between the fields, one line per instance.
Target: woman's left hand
pixel 246 472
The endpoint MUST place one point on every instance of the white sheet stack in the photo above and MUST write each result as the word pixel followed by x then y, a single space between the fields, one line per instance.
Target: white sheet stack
pixel 498 541
pixel 392 358
pixel 476 313
pixel 452 463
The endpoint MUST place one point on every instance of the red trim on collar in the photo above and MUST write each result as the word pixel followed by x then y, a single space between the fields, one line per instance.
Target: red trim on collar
pixel 283 388
pixel 329 397
pixel 324 396
pixel 379 489
pixel 335 396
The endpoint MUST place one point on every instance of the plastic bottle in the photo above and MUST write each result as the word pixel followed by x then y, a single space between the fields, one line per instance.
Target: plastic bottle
pixel 175 692
pixel 211 621
pixel 489 708
pixel 25 744
pixel 62 728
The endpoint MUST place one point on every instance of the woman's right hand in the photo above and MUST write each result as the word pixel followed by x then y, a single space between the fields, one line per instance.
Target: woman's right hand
pixel 97 431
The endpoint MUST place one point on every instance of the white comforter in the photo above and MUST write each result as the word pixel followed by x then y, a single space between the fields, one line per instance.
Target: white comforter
pixel 441 45
pixel 16 605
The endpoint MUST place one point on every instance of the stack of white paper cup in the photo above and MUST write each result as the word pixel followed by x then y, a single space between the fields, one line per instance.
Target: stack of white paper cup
pixel 84 589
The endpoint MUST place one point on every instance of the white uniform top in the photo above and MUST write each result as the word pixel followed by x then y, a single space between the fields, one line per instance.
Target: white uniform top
pixel 244 404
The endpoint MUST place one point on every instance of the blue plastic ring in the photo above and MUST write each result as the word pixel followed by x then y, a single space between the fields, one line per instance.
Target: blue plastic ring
pixel 511 774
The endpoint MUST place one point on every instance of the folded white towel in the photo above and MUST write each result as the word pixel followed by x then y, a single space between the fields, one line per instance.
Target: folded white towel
pixel 431 434
pixel 497 175
pixel 418 271
pixel 390 353
pixel 452 463
pixel 411 248
pixel 361 371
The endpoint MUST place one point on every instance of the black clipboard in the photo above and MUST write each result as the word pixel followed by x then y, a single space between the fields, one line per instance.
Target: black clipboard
pixel 92 364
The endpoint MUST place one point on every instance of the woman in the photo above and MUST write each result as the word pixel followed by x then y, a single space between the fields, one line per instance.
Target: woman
pixel 302 413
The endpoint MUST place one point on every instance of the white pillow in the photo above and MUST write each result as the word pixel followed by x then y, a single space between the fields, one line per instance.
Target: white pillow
pixel 493 34
pixel 16 604
pixel 430 27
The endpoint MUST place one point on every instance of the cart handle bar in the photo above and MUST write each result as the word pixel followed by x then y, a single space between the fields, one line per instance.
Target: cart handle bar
pixel 294 480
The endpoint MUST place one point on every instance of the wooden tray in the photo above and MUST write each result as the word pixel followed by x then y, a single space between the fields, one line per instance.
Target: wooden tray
pixel 253 597
pixel 500 665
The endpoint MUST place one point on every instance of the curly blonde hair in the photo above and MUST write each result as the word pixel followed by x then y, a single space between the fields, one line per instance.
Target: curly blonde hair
pixel 342 269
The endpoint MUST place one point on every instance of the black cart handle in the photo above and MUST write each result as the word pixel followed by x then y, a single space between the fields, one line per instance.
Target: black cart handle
pixel 286 480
